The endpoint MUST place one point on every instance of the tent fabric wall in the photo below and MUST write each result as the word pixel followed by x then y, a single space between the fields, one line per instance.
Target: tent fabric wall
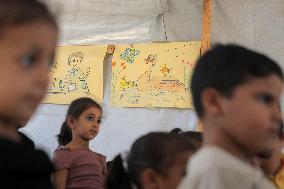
pixel 257 24
pixel 107 21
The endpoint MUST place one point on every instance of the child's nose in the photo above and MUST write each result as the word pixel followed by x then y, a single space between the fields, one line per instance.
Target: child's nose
pixel 95 124
pixel 276 113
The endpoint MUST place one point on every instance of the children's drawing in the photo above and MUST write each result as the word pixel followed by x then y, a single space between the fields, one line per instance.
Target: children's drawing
pixel 77 72
pixel 76 75
pixel 158 76
pixel 150 80
pixel 129 55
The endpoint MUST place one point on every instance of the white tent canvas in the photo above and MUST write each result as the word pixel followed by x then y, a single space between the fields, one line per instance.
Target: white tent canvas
pixel 257 24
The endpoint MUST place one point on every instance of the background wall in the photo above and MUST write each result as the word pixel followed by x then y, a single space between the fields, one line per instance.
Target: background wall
pixel 257 24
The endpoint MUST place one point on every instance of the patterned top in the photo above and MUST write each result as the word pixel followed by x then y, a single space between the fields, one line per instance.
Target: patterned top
pixel 86 169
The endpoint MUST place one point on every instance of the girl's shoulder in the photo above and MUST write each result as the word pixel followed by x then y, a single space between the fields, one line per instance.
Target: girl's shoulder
pixel 62 150
pixel 62 158
pixel 99 156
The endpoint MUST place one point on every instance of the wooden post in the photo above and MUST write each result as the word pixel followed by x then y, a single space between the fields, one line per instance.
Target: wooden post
pixel 206 26
pixel 110 49
pixel 205 37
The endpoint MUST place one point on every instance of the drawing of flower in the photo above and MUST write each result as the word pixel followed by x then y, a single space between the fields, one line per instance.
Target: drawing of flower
pixel 116 73
pixel 165 70
pixel 129 54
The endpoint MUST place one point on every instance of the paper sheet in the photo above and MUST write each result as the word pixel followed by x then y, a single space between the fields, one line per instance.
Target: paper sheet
pixel 77 72
pixel 153 74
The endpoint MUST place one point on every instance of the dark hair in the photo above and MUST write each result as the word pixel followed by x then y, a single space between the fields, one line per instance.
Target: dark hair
pixel 224 67
pixel 195 137
pixel 156 150
pixel 19 12
pixel 176 131
pixel 76 108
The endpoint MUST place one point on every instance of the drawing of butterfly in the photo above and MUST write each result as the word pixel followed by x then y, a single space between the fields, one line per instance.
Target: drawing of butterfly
pixel 129 54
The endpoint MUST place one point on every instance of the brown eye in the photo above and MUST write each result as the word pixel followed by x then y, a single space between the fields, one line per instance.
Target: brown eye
pixel 90 118
pixel 265 99
pixel 28 60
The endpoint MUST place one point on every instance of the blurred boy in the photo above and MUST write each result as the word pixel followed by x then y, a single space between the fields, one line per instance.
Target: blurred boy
pixel 236 95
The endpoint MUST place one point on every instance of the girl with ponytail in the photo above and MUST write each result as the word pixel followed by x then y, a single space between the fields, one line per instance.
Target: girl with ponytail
pixel 76 165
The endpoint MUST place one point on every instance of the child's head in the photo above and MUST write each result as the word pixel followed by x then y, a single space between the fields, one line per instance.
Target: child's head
pixel 156 160
pixel 83 120
pixel 195 137
pixel 236 93
pixel 28 35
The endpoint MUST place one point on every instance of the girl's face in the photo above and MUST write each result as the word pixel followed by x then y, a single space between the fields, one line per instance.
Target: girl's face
pixel 26 53
pixel 88 125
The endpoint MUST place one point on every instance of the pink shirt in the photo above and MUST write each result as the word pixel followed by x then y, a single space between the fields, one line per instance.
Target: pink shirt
pixel 86 169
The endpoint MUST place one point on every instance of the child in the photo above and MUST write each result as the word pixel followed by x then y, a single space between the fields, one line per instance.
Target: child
pixel 28 36
pixel 236 94
pixel 156 160
pixel 76 165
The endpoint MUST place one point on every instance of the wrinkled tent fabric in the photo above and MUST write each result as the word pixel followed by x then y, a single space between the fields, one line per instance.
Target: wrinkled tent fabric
pixel 108 21
pixel 257 24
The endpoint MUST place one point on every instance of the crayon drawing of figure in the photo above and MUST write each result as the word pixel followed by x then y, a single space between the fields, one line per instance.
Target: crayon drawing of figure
pixel 76 75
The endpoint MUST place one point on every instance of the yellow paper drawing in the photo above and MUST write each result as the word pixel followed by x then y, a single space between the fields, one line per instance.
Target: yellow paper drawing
pixel 77 72
pixel 153 74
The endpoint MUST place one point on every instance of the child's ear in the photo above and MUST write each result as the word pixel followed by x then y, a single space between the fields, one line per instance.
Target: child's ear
pixel 71 122
pixel 150 179
pixel 211 101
